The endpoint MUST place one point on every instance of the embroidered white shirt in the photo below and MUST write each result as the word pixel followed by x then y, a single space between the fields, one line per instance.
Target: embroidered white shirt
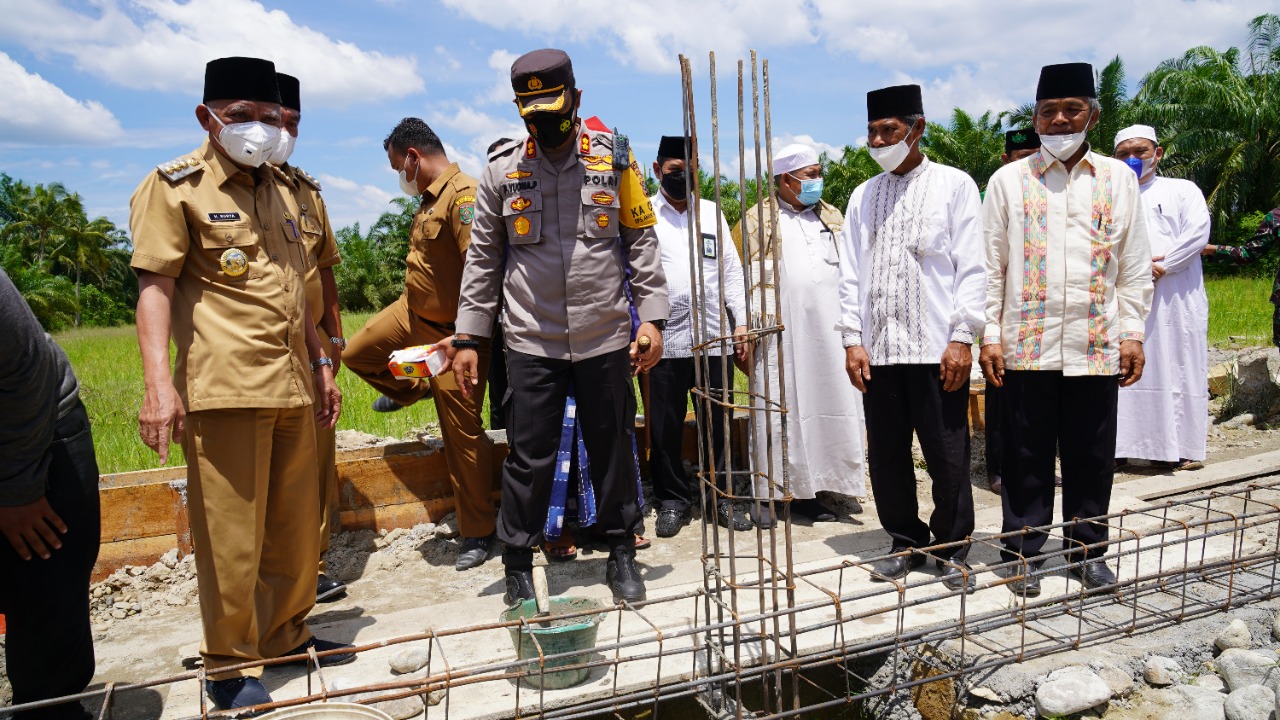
pixel 911 270
pixel 1068 264
pixel 720 265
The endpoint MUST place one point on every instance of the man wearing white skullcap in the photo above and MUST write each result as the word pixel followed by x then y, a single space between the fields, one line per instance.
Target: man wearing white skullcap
pixel 911 294
pixel 824 415
pixel 1164 416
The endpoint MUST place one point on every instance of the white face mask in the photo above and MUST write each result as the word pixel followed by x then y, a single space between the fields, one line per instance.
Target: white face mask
pixel 1148 167
pixel 284 148
pixel 1063 146
pixel 890 157
pixel 409 186
pixel 248 143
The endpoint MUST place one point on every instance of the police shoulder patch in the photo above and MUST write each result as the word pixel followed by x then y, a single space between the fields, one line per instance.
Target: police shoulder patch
pixel 505 148
pixel 178 168
pixel 306 178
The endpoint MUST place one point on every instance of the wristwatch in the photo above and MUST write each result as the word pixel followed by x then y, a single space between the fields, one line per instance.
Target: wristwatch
pixel 317 364
pixel 660 324
pixel 340 342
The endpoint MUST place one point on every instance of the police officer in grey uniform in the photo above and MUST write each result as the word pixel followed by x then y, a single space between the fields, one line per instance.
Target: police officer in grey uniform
pixel 561 216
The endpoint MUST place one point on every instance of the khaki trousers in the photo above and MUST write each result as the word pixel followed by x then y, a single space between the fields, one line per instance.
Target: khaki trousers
pixel 254 502
pixel 466 449
pixel 326 465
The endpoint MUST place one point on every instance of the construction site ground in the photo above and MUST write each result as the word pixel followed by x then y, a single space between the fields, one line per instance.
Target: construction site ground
pixel 403 582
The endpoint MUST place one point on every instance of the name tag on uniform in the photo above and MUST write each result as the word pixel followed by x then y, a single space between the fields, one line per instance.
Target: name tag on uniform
pixel 224 217
pixel 709 246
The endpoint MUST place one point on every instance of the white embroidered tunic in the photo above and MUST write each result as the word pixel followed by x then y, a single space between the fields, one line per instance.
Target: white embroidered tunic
pixel 911 270
pixel 1068 264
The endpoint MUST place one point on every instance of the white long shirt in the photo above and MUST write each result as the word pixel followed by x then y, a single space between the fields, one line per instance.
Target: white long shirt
pixel 1164 416
pixel 1068 263
pixel 720 265
pixel 911 270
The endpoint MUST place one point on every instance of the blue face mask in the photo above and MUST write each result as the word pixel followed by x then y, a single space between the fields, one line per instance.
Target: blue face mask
pixel 810 192
pixel 1135 164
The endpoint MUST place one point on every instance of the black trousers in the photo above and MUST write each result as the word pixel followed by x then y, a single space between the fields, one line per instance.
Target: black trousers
pixel 1046 414
pixel 497 378
pixel 995 441
pixel 670 385
pixel 606 414
pixel 902 399
pixel 49 645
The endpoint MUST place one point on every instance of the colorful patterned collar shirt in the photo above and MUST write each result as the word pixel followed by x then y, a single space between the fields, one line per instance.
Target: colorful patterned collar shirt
pixel 1068 264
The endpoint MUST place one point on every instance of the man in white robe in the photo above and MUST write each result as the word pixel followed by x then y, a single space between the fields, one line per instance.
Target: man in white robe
pixel 1164 416
pixel 824 414
pixel 911 295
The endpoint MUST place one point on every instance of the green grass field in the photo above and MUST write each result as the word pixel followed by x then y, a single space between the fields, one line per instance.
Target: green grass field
pixel 110 371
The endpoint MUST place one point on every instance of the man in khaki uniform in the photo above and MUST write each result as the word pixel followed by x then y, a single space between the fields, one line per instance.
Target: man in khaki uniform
pixel 322 298
pixel 424 314
pixel 220 264
pixel 560 217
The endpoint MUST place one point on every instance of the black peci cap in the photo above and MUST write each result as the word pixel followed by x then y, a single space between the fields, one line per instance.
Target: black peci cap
pixel 894 101
pixel 241 78
pixel 673 146
pixel 1021 139
pixel 542 80
pixel 290 94
pixel 1065 80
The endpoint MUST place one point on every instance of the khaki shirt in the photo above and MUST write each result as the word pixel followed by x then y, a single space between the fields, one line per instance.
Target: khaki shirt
pixel 312 221
pixel 555 240
pixel 240 337
pixel 438 246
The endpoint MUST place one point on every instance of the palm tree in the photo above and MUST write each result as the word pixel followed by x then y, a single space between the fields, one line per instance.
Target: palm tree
pixel 38 216
pixel 83 250
pixel 1218 114
pixel 842 175
pixel 972 145
pixel 1117 111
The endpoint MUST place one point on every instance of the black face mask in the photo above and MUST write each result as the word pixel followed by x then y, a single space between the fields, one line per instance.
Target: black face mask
pixel 551 131
pixel 673 184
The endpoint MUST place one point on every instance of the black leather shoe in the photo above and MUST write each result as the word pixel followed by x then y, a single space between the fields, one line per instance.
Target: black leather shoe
pixel 954 577
pixel 896 568
pixel 1093 573
pixel 235 693
pixel 762 516
pixel 623 577
pixel 385 404
pixel 813 509
pixel 1028 584
pixel 729 516
pixel 329 589
pixel 670 521
pixel 519 587
pixel 473 552
pixel 321 646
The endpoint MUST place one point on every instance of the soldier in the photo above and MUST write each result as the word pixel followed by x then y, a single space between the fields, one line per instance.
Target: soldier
pixel 424 315
pixel 1266 237
pixel 220 261
pixel 560 217
pixel 322 299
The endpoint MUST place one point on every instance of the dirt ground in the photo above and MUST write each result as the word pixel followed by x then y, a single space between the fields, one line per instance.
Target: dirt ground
pixel 144 617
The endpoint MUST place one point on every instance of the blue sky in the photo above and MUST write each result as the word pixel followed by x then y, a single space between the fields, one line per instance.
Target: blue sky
pixel 97 92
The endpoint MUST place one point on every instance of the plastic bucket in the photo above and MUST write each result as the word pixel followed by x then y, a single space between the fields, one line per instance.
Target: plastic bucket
pixel 327 711
pixel 559 636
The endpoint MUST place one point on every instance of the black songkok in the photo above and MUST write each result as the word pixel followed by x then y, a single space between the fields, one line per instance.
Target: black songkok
pixel 241 78
pixel 1066 80
pixel 673 147
pixel 896 101
pixel 1021 139
pixel 290 91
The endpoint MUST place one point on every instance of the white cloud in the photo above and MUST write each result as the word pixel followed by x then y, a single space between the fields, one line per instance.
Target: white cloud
pixel 164 45
pixel 650 34
pixel 479 129
pixel 500 62
pixel 349 201
pixel 36 111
